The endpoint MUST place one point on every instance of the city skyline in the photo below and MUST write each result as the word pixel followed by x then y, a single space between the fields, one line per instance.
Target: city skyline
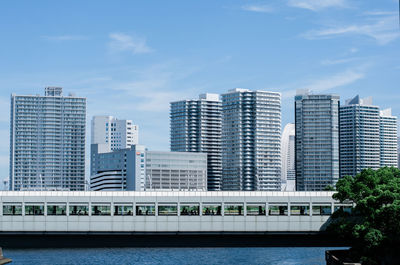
pixel 134 67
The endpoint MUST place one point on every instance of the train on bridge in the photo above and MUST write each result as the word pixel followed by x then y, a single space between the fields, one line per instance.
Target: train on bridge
pixel 165 211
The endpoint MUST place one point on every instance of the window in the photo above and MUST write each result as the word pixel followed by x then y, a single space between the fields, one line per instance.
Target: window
pixel 189 209
pixel 321 210
pixel 255 209
pixel 12 209
pixel 233 209
pixel 344 208
pixel 101 210
pixel 167 210
pixel 299 210
pixel 278 210
pixel 56 209
pixel 123 210
pixel 211 209
pixel 145 210
pixel 78 209
pixel 37 209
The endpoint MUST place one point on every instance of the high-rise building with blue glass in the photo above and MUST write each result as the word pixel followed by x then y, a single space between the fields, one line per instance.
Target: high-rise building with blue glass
pixel 316 140
pixel 359 136
pixel 196 127
pixel 251 140
pixel 368 137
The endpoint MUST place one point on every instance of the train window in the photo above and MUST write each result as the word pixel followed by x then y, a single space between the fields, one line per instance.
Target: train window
pixel 12 209
pixel 278 210
pixel 233 209
pixel 34 209
pixel 123 209
pixel 344 208
pixel 145 209
pixel 79 209
pixel 255 209
pixel 56 209
pixel 189 209
pixel 299 210
pixel 321 209
pixel 211 209
pixel 167 209
pixel 98 209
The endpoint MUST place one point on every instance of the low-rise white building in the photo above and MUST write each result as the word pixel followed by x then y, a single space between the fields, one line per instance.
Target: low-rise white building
pixel 137 169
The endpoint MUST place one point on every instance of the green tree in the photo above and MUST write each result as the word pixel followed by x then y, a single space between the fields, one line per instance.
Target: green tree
pixel 373 226
pixel 329 188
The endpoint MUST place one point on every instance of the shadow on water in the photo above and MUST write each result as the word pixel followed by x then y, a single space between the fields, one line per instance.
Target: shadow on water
pixel 170 240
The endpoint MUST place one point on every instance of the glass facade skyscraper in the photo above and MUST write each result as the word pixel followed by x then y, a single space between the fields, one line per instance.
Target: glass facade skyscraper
pixel 196 127
pixel 47 141
pixel 251 132
pixel 359 136
pixel 317 141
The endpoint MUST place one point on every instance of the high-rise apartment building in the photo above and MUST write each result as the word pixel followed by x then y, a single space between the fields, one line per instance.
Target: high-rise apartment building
pixel 288 162
pixel 251 133
pixel 317 141
pixel 196 127
pixel 113 133
pixel 359 136
pixel 388 139
pixel 398 152
pixel 47 141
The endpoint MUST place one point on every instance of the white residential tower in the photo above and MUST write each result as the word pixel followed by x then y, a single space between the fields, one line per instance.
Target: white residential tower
pixel 114 134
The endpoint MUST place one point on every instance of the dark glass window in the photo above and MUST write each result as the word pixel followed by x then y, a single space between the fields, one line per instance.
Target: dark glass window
pixel 56 209
pixel 12 209
pixel 211 209
pixel 145 210
pixel 189 209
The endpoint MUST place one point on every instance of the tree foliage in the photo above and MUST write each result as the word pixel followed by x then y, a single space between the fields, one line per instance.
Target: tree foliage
pixel 373 226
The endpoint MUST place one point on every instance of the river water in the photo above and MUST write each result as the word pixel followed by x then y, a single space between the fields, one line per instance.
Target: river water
pixel 102 256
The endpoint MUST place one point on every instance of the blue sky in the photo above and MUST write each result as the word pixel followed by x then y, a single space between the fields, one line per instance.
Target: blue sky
pixel 131 58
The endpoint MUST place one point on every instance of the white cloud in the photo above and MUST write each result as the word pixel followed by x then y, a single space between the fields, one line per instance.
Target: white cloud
pixel 65 37
pixel 316 5
pixel 338 61
pixel 327 83
pixel 353 50
pixel 123 42
pixel 258 8
pixel 338 80
pixel 153 88
pixel 380 13
pixel 153 94
pixel 384 30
